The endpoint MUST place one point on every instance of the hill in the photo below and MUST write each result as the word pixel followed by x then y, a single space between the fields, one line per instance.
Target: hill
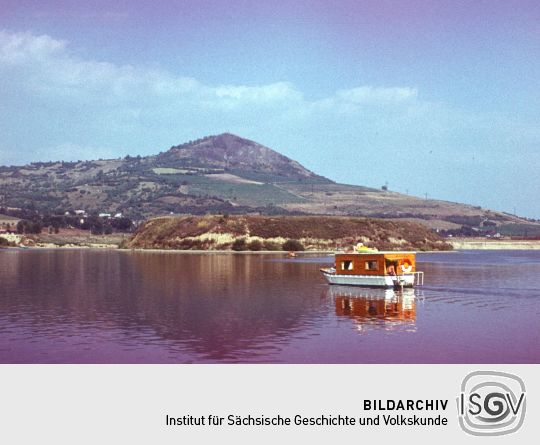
pixel 272 233
pixel 219 174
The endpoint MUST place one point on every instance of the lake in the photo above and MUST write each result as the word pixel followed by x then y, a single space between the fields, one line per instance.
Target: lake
pixel 102 306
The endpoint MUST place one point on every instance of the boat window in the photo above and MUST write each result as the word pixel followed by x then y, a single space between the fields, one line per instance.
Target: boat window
pixel 372 265
pixel 347 265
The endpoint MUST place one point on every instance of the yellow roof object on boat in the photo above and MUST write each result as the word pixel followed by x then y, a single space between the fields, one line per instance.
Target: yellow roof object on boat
pixel 361 248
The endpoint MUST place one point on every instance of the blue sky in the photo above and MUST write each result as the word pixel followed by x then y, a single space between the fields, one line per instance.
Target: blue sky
pixel 432 97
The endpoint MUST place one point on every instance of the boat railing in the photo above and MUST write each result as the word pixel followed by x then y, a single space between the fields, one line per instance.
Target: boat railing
pixel 418 278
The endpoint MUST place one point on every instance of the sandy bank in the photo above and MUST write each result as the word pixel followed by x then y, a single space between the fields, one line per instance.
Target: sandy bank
pixel 486 244
pixel 302 253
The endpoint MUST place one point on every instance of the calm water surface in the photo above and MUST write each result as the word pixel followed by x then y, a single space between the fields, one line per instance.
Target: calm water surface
pixel 88 306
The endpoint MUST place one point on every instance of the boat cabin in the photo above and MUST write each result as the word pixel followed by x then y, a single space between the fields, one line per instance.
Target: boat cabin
pixel 376 263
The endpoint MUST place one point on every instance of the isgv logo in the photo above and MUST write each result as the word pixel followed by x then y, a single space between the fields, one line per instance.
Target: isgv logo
pixel 491 403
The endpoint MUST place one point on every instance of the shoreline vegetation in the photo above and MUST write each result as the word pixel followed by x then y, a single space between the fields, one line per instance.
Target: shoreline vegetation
pixel 492 244
pixel 65 239
pixel 281 233
pixel 263 234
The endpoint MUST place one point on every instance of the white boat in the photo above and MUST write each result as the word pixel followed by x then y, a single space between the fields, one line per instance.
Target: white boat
pixel 374 269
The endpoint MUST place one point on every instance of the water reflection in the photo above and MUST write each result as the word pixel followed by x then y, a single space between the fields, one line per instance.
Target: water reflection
pixel 150 307
pixel 222 307
pixel 379 308
pixel 140 307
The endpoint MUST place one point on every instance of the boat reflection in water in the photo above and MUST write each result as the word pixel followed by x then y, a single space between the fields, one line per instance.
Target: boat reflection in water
pixel 376 308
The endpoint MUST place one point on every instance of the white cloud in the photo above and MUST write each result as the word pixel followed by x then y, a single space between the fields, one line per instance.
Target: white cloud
pixel 44 65
pixel 20 48
pixel 378 95
pixel 276 92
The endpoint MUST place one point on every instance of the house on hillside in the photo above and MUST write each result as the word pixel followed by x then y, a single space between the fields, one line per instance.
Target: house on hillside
pixel 8 224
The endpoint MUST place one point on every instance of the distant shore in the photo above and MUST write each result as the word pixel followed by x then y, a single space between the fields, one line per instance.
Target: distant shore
pixel 71 239
pixel 66 239
pixel 492 244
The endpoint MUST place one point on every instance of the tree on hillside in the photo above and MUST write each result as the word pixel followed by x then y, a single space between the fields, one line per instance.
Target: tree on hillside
pixel 27 227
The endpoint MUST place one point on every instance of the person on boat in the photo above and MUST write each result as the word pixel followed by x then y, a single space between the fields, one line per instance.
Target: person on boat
pixel 391 270
pixel 406 267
